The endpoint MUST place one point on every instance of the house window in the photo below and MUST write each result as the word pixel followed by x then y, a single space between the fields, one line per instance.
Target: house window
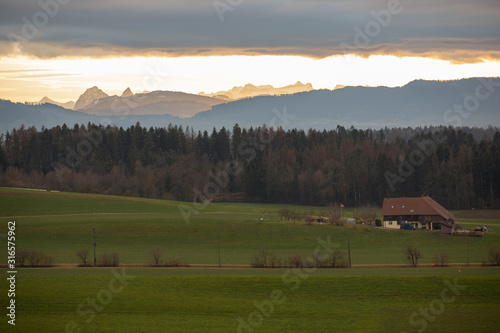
pixel 390 223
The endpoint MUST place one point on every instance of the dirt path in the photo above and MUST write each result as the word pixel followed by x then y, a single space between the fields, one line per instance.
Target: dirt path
pixel 236 267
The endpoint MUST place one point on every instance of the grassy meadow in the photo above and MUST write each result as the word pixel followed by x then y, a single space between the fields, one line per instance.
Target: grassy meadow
pixel 60 224
pixel 191 300
pixel 226 299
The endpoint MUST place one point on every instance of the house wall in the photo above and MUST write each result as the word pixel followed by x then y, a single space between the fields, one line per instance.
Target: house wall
pixel 391 224
pixel 394 224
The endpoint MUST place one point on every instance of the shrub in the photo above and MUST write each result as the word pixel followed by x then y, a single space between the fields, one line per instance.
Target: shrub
pixel 21 255
pixel 295 260
pixel 441 259
pixel 35 258
pixel 115 259
pixel 495 255
pixel 336 259
pixel 333 212
pixel 83 256
pixel 412 255
pixel 265 258
pixel 155 255
pixel 260 259
pixel 108 260
pixel 103 260
pixel 284 214
pixel 274 261
pixel 174 261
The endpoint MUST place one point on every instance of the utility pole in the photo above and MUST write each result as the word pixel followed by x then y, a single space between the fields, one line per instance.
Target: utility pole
pixel 348 249
pixel 468 250
pixel 95 261
pixel 218 245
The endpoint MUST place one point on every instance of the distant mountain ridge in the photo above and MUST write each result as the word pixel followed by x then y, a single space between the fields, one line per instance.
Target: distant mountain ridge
pixel 126 93
pixel 177 104
pixel 418 103
pixel 250 90
pixel 90 96
pixel 68 105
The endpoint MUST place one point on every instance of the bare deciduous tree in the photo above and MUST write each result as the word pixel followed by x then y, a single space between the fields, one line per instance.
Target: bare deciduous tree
pixel 495 255
pixel 295 260
pixel 412 255
pixel 336 258
pixel 155 255
pixel 21 255
pixel 109 260
pixel 35 258
pixel 115 259
pixel 103 260
pixel 366 213
pixel 441 259
pixel 333 213
pixel 274 260
pixel 284 214
pixel 260 259
pixel 295 215
pixel 174 261
pixel 83 256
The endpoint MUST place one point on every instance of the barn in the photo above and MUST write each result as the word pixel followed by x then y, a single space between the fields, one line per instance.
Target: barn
pixel 421 212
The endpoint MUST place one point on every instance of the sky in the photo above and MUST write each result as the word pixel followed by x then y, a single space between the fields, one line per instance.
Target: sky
pixel 59 48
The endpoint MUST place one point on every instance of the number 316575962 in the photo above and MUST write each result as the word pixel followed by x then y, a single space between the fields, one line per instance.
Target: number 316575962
pixel 11 246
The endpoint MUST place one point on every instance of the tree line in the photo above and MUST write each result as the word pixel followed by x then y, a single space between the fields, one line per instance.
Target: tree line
pixel 458 167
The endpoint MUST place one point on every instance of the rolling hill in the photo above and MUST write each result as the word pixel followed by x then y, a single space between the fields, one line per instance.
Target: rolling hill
pixel 419 103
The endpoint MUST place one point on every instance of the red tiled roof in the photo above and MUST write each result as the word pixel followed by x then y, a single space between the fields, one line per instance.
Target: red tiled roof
pixel 415 206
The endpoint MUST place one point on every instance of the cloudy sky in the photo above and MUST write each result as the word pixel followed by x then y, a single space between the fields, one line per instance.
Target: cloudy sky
pixel 61 47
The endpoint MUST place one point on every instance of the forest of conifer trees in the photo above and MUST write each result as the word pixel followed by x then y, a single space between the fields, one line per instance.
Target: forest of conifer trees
pixel 458 167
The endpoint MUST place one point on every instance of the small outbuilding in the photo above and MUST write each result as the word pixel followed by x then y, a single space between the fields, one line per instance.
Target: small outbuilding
pixel 421 212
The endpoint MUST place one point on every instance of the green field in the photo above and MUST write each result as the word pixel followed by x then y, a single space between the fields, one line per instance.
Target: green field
pixel 60 224
pixel 188 300
pixel 212 299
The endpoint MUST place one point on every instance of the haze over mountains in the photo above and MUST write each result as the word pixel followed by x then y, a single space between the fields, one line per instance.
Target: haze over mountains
pixel 250 90
pixel 176 104
pixel 419 103
pixel 68 105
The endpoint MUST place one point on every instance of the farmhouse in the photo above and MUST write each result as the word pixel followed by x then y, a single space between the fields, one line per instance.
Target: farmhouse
pixel 421 212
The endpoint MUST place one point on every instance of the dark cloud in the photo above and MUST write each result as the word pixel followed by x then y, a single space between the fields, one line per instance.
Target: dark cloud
pixel 457 30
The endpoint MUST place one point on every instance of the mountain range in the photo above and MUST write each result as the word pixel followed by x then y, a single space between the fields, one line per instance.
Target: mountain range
pixel 467 102
pixel 249 90
pixel 173 103
pixel 67 105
